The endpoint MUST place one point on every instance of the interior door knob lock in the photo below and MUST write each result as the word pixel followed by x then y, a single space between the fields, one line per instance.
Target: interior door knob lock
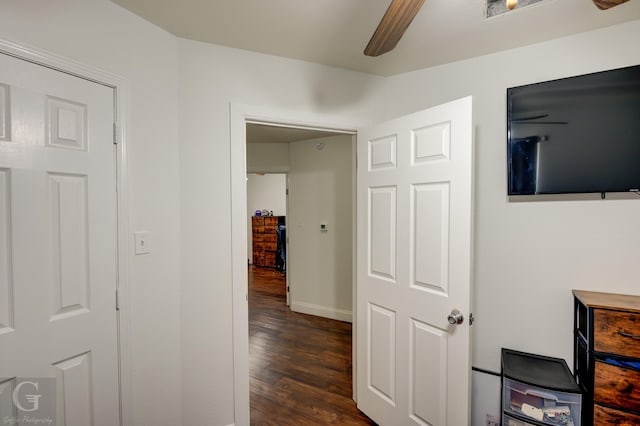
pixel 455 317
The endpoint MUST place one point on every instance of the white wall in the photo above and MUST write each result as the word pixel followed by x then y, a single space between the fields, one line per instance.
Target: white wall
pixel 267 157
pixel 101 34
pixel 530 255
pixel 320 263
pixel 265 191
pixel 210 78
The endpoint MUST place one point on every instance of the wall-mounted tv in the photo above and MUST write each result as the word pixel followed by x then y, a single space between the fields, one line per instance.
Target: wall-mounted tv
pixel 575 135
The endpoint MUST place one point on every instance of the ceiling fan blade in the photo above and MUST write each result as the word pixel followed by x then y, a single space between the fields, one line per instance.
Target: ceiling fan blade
pixel 534 117
pixel 394 23
pixel 608 4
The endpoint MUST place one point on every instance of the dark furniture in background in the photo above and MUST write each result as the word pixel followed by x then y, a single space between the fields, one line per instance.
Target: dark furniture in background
pixel 607 356
pixel 281 250
pixel 265 240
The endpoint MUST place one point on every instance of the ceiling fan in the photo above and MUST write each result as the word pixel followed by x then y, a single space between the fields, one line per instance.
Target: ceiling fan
pixel 400 13
pixel 394 23
pixel 608 4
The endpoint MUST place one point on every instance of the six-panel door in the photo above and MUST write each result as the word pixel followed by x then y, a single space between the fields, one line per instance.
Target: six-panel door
pixel 414 267
pixel 57 247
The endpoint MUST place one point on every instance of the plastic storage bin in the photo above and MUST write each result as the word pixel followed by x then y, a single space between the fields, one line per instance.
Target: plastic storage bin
pixel 507 420
pixel 538 390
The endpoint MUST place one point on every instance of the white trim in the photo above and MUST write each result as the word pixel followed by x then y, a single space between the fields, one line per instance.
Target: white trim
pixel 354 261
pixel 322 311
pixel 300 126
pixel 239 116
pixel 121 94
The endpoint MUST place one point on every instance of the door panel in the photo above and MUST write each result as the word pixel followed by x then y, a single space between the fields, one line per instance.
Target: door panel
pixel 428 374
pixel 414 267
pixel 382 362
pixel 5 126
pixel 58 319
pixel 432 143
pixel 69 244
pixel 430 234
pixel 66 124
pixel 74 390
pixel 382 153
pixel 382 252
pixel 6 284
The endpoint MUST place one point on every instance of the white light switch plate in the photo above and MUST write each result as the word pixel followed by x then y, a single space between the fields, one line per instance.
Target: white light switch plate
pixel 142 242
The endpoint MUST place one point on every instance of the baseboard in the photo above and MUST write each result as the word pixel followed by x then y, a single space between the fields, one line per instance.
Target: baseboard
pixel 322 311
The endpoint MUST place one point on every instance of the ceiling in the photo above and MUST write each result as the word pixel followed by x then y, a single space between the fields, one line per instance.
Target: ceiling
pixel 335 32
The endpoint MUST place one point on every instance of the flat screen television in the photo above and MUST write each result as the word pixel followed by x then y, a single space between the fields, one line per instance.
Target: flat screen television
pixel 575 135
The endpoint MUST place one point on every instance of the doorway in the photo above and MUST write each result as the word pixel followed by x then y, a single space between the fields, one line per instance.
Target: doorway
pixel 320 168
pixel 240 115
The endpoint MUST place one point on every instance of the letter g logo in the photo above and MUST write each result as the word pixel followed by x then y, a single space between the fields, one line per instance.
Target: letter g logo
pixel 33 399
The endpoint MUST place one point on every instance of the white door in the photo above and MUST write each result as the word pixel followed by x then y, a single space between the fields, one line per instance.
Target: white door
pixel 414 267
pixel 57 247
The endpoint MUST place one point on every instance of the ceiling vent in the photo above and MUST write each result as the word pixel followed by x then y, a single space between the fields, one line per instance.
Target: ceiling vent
pixel 497 7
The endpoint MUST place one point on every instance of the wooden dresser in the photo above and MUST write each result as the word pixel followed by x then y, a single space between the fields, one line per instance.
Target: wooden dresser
pixel 265 239
pixel 607 357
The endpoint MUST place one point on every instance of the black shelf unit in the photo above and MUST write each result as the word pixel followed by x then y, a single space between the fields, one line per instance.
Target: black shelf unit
pixel 607 357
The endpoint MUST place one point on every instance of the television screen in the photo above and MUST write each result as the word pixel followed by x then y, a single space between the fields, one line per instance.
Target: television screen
pixel 577 134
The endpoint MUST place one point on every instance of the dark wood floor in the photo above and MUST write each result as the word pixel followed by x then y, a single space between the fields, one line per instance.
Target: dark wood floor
pixel 300 365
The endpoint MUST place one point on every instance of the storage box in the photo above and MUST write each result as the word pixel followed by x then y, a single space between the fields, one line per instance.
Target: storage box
pixel 538 390
pixel 510 421
pixel 542 404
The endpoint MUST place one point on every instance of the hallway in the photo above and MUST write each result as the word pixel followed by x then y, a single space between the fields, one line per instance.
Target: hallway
pixel 300 365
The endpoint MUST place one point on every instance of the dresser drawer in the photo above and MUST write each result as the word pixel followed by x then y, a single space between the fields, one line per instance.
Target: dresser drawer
pixel 616 332
pixel 270 259
pixel 271 221
pixel 271 238
pixel 605 416
pixel 617 386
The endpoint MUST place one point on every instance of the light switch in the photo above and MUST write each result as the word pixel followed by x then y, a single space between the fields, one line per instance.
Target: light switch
pixel 142 242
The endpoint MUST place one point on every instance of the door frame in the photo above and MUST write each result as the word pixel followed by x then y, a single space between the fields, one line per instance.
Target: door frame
pixel 120 88
pixel 240 115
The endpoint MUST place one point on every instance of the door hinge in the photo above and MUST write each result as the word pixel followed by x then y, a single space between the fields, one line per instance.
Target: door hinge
pixel 117 300
pixel 288 290
pixel 115 134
